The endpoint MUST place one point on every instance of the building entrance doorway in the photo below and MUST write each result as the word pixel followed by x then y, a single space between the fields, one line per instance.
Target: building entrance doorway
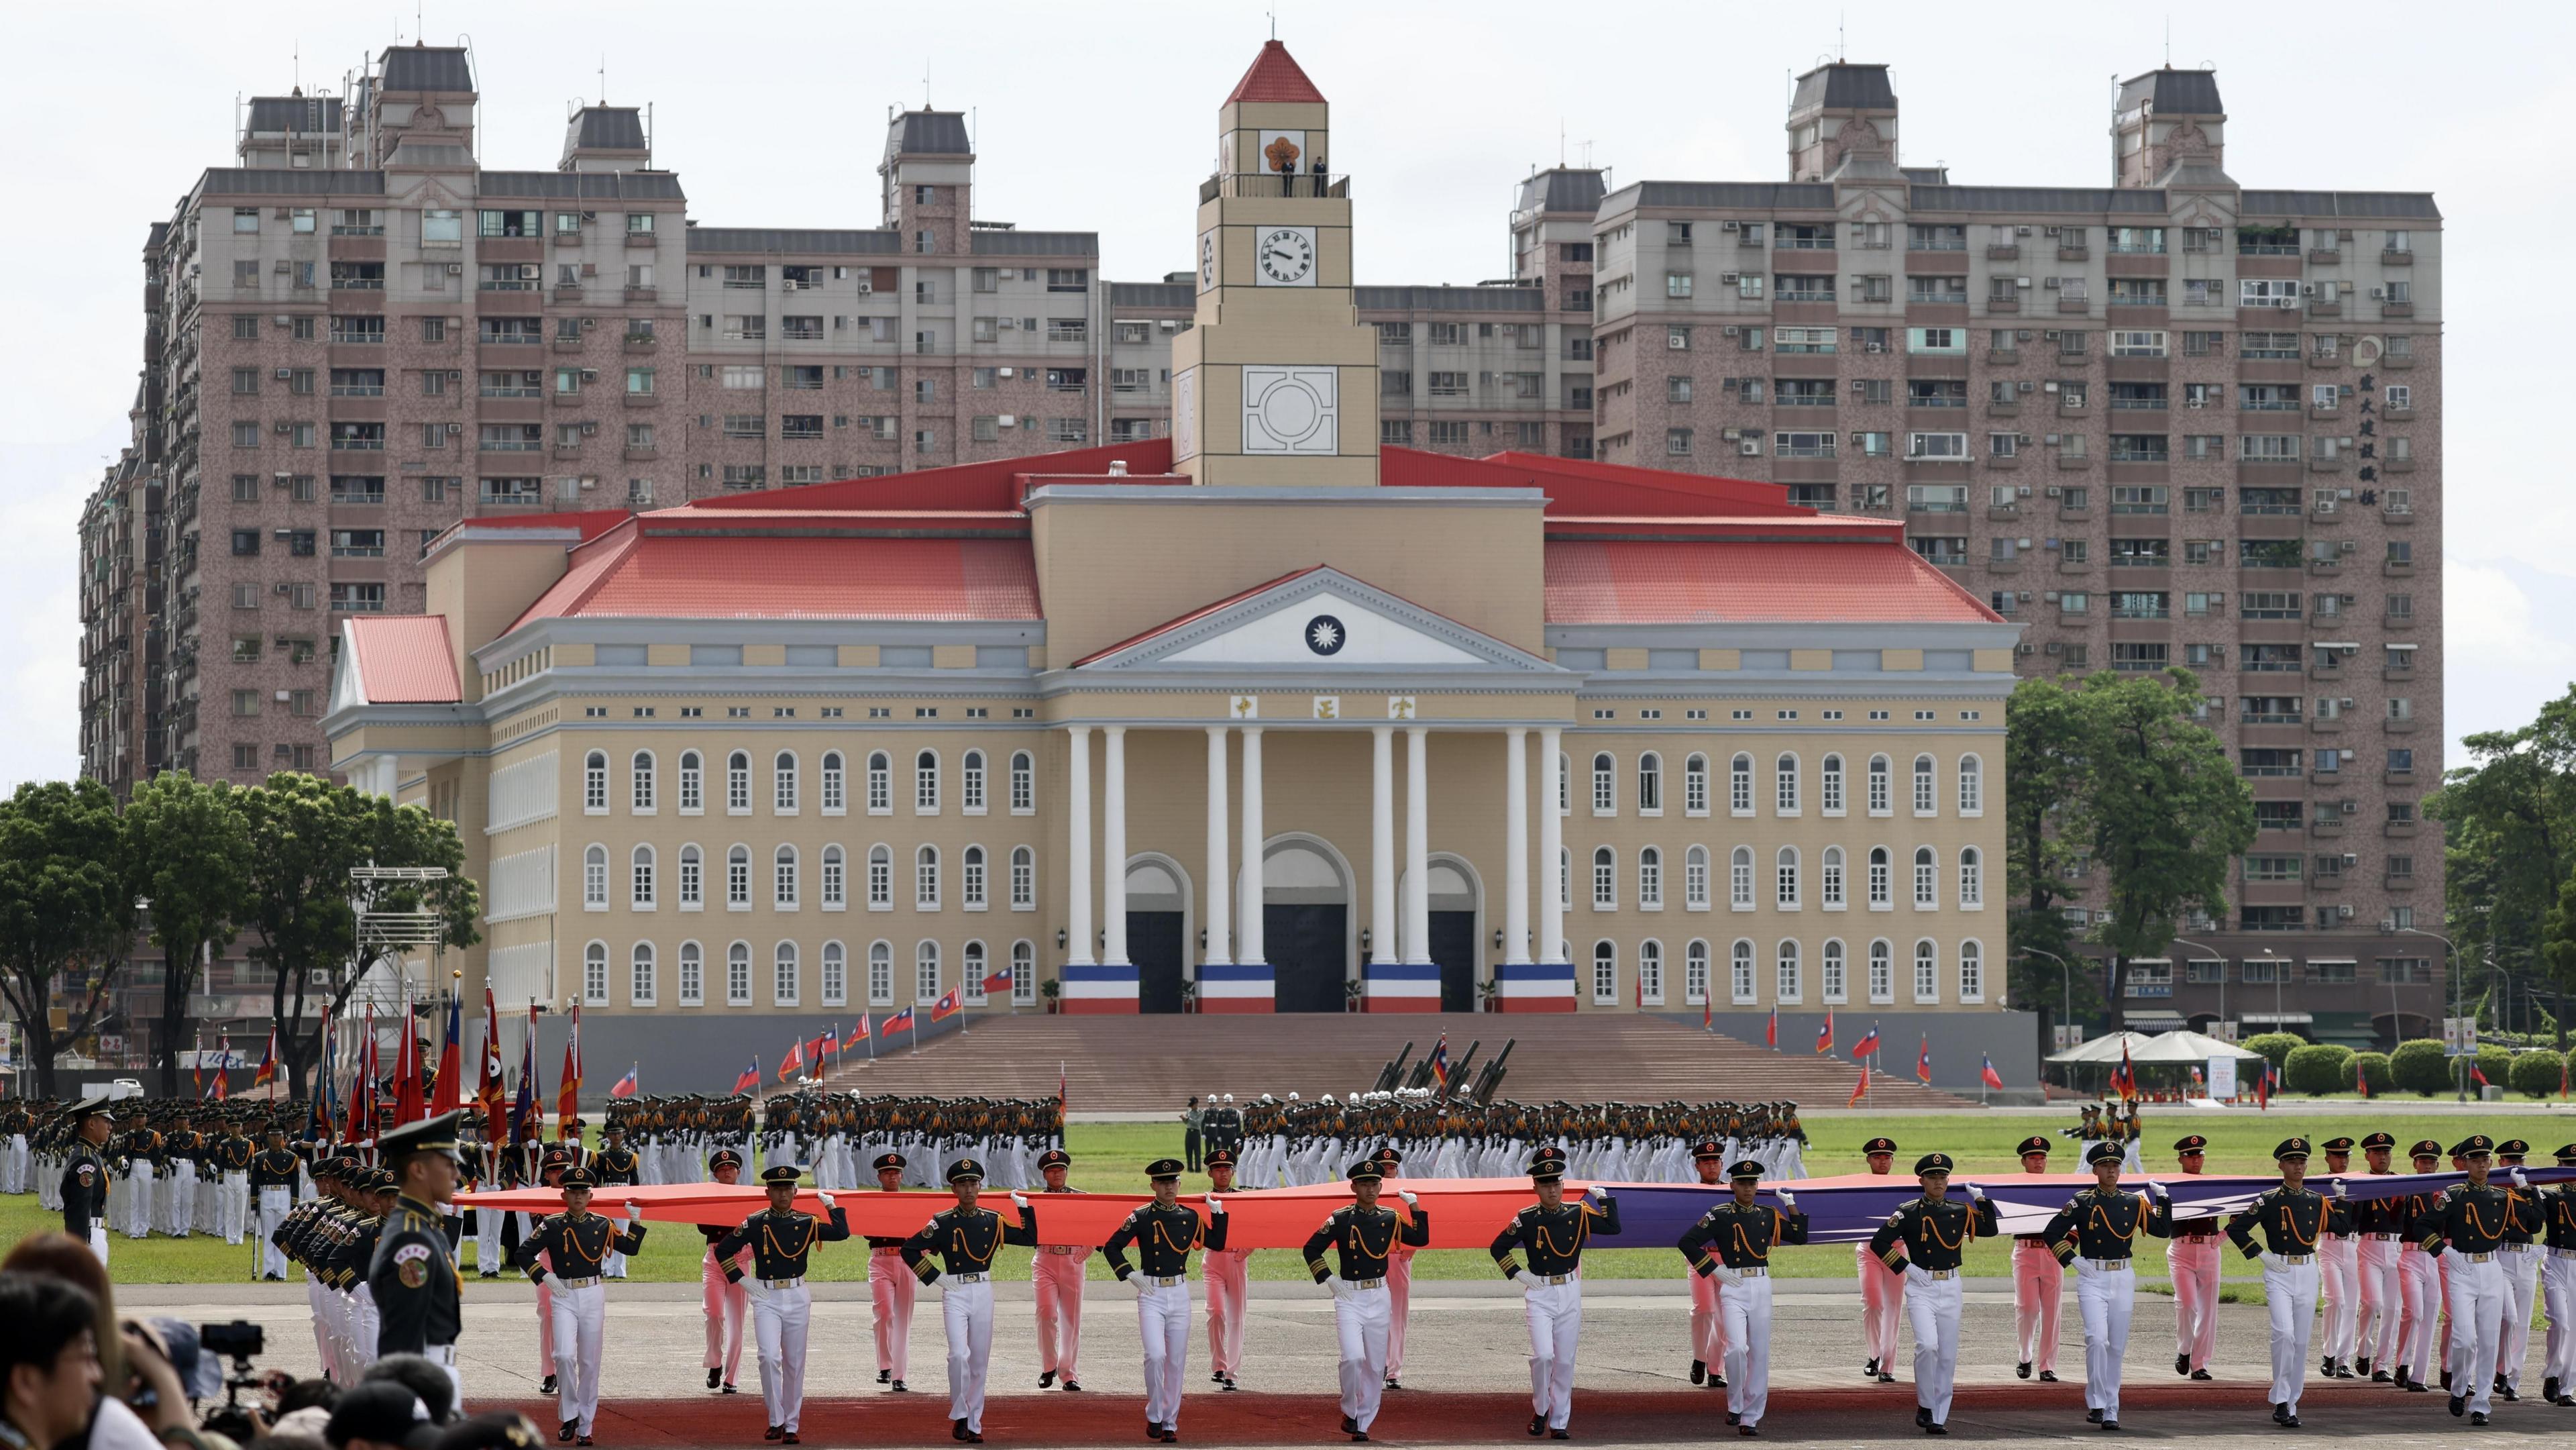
pixel 1158 932
pixel 1306 925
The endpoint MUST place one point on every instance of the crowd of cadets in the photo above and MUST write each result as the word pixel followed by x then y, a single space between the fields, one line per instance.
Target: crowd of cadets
pixel 178 1168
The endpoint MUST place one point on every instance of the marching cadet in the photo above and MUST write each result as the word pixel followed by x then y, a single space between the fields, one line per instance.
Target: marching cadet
pixel 781 1238
pixel 85 1175
pixel 2339 1275
pixel 1926 1240
pixel 1399 1282
pixel 891 1288
pixel 614 1166
pixel 1055 1274
pixel 418 1289
pixel 2520 1257
pixel 1731 1247
pixel 724 1301
pixel 1552 1233
pixel 550 1172
pixel 578 1243
pixel 1226 1271
pixel 2423 1277
pixel 1164 1233
pixel 2192 1258
pixel 230 1158
pixel 1707 1319
pixel 181 1149
pixel 2292 1219
pixel 2039 1281
pixel 2380 1230
pixel 2470 1220
pixel 966 1238
pixel 2558 1286
pixel 273 1176
pixel 1882 1294
pixel 2096 1235
pixel 1363 1237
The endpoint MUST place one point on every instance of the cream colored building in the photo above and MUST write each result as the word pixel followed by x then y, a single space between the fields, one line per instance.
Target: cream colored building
pixel 1262 716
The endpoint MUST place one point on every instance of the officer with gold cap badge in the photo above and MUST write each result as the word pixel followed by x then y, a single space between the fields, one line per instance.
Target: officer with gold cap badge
pixel 2558 1286
pixel 1926 1240
pixel 2520 1256
pixel 1363 1237
pixel 2339 1275
pixel 2039 1281
pixel 1164 1233
pixel 1225 1272
pixel 1056 1274
pixel 2096 1236
pixel 2192 1259
pixel 2291 1220
pixel 1552 1232
pixel 967 1238
pixel 781 1238
pixel 1707 1319
pixel 577 1244
pixel 724 1302
pixel 419 1292
pixel 891 1288
pixel 1731 1247
pixel 2469 1222
pixel 85 1175
pixel 1399 1283
pixel 1882 1294
pixel 2380 1229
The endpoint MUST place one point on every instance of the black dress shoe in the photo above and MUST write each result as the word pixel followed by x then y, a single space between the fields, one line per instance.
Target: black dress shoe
pixel 2380 1377
pixel 2202 1374
pixel 1153 1429
pixel 2021 1371
pixel 1747 1430
pixel 1046 1378
pixel 1936 1429
pixel 2326 1367
pixel 585 1439
pixel 1699 1371
pixel 2405 1374
pixel 1869 1371
pixel 773 1432
pixel 885 1376
pixel 2344 1372
pixel 1560 1434
pixel 564 1431
pixel 1216 1379
pixel 2291 1423
pixel 1538 1424
pixel 1733 1418
pixel 2419 1387
pixel 2549 1389
pixel 715 1376
pixel 2048 1376
pixel 2281 1414
pixel 2110 1424
pixel 2092 1417
pixel 2459 1406
pixel 2479 1418
pixel 2507 1393
pixel 2182 1364
pixel 899 1387
pixel 1350 1426
pixel 546 1386
pixel 1923 1416
pixel 1359 1437
pixel 1170 1435
pixel 957 1429
pixel 1717 1382
pixel 729 1389
pixel 1074 1388
pixel 789 1438
pixel 1391 1384
pixel 1885 1378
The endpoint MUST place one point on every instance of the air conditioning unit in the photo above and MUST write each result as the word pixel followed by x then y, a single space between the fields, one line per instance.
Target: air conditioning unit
pixel 2025 649
pixel 1008 324
pixel 590 375
pixel 2022 336
pixel 2048 387
pixel 284 374
pixel 588 323
pixel 2050 335
pixel 456 269
pixel 1734 331
pixel 283 428
pixel 2027 385
pixel 2052 440
pixel 455 375
pixel 2021 231
pixel 1859 386
pixel 282 268
pixel 1728 226
pixel 2378 294
pixel 2348 546
pixel 2195 402
pixel 1008 420
pixel 1007 372
pixel 2025 490
pixel 1874 347
pixel 2307 289
pixel 589 428
pixel 590 216
pixel 1750 448
pixel 2055 648
pixel 2344 912
pixel 2050 232
pixel 2349 807
pixel 791 285
pixel 2350 859
pixel 2050 283
pixel 1169 324
pixel 2025 594
pixel 283 589
pixel 2344 703
pixel 2022 282
pixel 2350 598
pixel 2053 489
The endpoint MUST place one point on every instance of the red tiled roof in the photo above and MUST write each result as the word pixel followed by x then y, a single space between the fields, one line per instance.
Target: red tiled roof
pixel 1274 76
pixel 1672 581
pixel 403 659
pixel 1202 612
pixel 977 487
pixel 696 576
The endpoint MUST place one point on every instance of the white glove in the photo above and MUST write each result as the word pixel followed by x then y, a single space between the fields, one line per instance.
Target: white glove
pixel 827 1201
pixel 1339 1288
pixel 1407 1195
pixel 1916 1274
pixel 2157 1190
pixel 756 1290
pixel 1977 1192
pixel 2269 1260
pixel 1788 1200
pixel 2342 1189
pixel 1135 1282
pixel 2519 1180
pixel 1215 1205
pixel 1527 1281
pixel 1019 1199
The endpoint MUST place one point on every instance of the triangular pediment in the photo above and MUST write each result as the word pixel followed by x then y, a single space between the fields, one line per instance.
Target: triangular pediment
pixel 1318 620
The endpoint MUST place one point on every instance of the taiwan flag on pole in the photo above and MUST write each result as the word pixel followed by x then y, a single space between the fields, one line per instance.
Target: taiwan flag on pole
pixel 1860 1089
pixel 950 1003
pixel 1000 981
pixel 899 1022
pixel 267 1072
pixel 1923 1062
pixel 1440 1062
pixel 1825 1034
pixel 1867 1046
pixel 625 1086
pixel 568 1083
pixel 1986 1072
pixel 2361 1080
pixel 1708 1015
pixel 750 1079
pixel 858 1033
pixel 793 1062
pixel 1771 1031
pixel 2477 1074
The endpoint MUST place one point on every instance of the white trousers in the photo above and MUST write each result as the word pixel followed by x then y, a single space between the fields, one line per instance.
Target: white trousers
pixel 1362 1319
pixel 1163 1323
pixel 1746 1308
pixel 2420 1277
pixel 1882 1306
pixel 778 1320
pixel 233 1205
pixel 98 1241
pixel 138 1201
pixel 2382 1301
pixel 179 1198
pixel 1932 1307
pixel 724 1304
pixel 2522 1283
pixel 487 1241
pixel 364 1321
pixel 579 1314
pixel 2558 1297
pixel 2292 1290
pixel 2478 1294
pixel 2106 1298
pixel 2339 1294
pixel 1555 1331
pixel 273 1205
pixel 967 1310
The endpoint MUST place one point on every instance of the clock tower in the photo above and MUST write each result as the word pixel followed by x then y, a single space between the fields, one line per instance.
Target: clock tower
pixel 1276 383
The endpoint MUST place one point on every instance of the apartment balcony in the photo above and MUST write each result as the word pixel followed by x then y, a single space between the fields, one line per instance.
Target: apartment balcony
pixel 2392 258
pixel 2326 827
pixel 2399 727
pixel 2399 830
pixel 643 400
pixel 2007 252
pixel 640 241
pixel 567 450
pixel 2003 511
pixel 2074 566
pixel 568 292
pixel 2003 566
pixel 2075 462
pixel 564 399
pixel 2321 670
pixel 2325 724
pixel 2327 463
pixel 2397 568
pixel 2075 513
pixel 2400 361
pixel 2325 256
pixel 641 342
pixel 2396 309
pixel 2003 306
pixel 2076 253
pixel 643 294
pixel 2076 306
pixel 570 344
pixel 641 453
pixel 2003 407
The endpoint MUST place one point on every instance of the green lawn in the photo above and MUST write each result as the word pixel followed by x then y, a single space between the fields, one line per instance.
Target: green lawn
pixel 1110 1157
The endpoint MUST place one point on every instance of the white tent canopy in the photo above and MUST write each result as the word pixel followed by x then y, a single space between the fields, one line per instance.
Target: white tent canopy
pixel 2163 1047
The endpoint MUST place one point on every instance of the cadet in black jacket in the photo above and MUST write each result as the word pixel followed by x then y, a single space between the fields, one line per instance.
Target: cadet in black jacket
pixel 2470 1221
pixel 419 1293
pixel 780 1238
pixel 1553 1232
pixel 85 1175
pixel 1732 1244
pixel 2292 1219
pixel 1363 1237
pixel 965 1238
pixel 2558 1286
pixel 579 1244
pixel 1926 1240
pixel 2095 1234
pixel 1164 1233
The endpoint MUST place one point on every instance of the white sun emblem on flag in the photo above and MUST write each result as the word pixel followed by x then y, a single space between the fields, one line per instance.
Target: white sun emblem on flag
pixel 1325 634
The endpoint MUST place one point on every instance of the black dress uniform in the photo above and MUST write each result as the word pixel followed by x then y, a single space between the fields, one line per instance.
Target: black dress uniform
pixel 964 1240
pixel 780 1240
pixel 616 1166
pixel 2470 1221
pixel 85 1176
pixel 418 1288
pixel 579 1246
pixel 2558 1286
pixel 273 1179
pixel 1732 1244
pixel 1363 1240
pixel 2292 1222
pixel 1164 1236
pixel 1553 1236
pixel 2095 1234
pixel 1927 1241
pixel 228 1160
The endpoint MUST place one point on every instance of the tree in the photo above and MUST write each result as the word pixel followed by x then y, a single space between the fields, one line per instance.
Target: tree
pixel 2276 1047
pixel 2420 1068
pixel 66 912
pixel 2509 822
pixel 191 849
pixel 306 836
pixel 2316 1067
pixel 2044 745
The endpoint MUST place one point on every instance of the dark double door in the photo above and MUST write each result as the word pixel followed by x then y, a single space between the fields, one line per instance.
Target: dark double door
pixel 1308 948
pixel 1154 945
pixel 1453 947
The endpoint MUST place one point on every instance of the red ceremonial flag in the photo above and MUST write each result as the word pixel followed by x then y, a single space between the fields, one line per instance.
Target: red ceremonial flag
pixel 1000 981
pixel 750 1079
pixel 1440 1062
pixel 1923 1061
pixel 950 1003
pixel 1707 1013
pixel 625 1087
pixel 449 1095
pixel 858 1033
pixel 899 1022
pixel 267 1072
pixel 2361 1078
pixel 793 1062
pixel 197 1073
pixel 1867 1045
pixel 1861 1088
pixel 2477 1074
pixel 1825 1034
pixel 223 1061
pixel 568 1083
pixel 1771 1031
pixel 1987 1074
pixel 2263 1088
pixel 362 1091
pixel 409 1106
pixel 1059 1085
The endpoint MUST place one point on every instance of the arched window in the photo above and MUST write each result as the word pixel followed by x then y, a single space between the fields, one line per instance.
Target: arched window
pixel 1881 887
pixel 1605 785
pixel 836 879
pixel 639 879
pixel 1789 976
pixel 1695 878
pixel 925 783
pixel 1739 786
pixel 1024 971
pixel 970 884
pixel 1836 988
pixel 738 974
pixel 1972 786
pixel 1650 879
pixel 1784 878
pixel 1829 879
pixel 1024 784
pixel 643 982
pixel 1927 972
pixel 970 783
pixel 738 878
pixel 880 878
pixel 1605 879
pixel 880 784
pixel 1972 972
pixel 693 975
pixel 1784 785
pixel 1695 973
pixel 594 974
pixel 1972 879
pixel 782 880
pixel 642 781
pixel 1829 786
pixel 925 972
pixel 693 878
pixel 594 878
pixel 693 783
pixel 738 783
pixel 836 792
pixel 1740 971
pixel 1695 786
pixel 1739 879
pixel 880 974
pixel 1882 972
pixel 1927 879
pixel 784 976
pixel 925 879
pixel 1879 786
pixel 1926 800
pixel 594 785
pixel 1024 879
pixel 783 783
pixel 1605 974
pixel 1650 784
pixel 1650 972
pixel 836 975
pixel 970 971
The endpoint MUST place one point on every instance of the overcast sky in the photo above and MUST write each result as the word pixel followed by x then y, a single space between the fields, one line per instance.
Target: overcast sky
pixel 775 116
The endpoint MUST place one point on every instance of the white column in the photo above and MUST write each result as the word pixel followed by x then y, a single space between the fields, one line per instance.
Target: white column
pixel 1248 948
pixel 1551 844
pixel 1417 846
pixel 1383 945
pixel 1220 925
pixel 1113 848
pixel 1077 917
pixel 1516 913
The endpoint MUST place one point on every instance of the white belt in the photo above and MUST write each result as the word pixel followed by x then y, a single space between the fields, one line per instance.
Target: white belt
pixel 2295 1258
pixel 796 1283
pixel 2477 1258
pixel 2513 1248
pixel 1940 1273
pixel 2109 1265
pixel 968 1278
pixel 1762 1273
pixel 576 1283
pixel 1366 1283
pixel 1554 1278
pixel 1153 1282
pixel 440 1354
pixel 2381 1238
pixel 2562 1253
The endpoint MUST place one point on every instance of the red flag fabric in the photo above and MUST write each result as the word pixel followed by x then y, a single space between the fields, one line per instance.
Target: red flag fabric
pixel 750 1078
pixel 2361 1079
pixel 1707 1012
pixel 361 1126
pixel 899 1022
pixel 449 1094
pixel 1825 1034
pixel 2263 1088
pixel 858 1033
pixel 1868 1044
pixel 2477 1074
pixel 793 1062
pixel 267 1072
pixel 824 1041
pixel 1860 1089
pixel 489 1090
pixel 625 1086
pixel 1771 1030
pixel 409 1105
pixel 1923 1061
pixel 950 1003
pixel 568 1082
pixel 1987 1074
pixel 1000 981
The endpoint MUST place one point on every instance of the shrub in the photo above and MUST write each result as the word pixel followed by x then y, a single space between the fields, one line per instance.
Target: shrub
pixel 2420 1068
pixel 2316 1067
pixel 2374 1064
pixel 2536 1074
pixel 2496 1062
pixel 2276 1046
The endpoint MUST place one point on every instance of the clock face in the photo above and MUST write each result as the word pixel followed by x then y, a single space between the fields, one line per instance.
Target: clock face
pixel 1286 256
pixel 1207 260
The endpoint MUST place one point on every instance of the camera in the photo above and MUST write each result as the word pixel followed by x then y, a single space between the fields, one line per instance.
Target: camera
pixel 236 1341
pixel 240 1339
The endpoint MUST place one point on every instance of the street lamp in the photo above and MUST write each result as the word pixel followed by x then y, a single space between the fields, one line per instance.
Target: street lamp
pixel 2066 977
pixel 2450 970
pixel 2222 971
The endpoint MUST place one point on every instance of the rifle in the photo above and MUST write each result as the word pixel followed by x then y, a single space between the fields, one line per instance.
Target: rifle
pixel 1458 1074
pixel 1491 1080
pixel 1420 1077
pixel 1389 1075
